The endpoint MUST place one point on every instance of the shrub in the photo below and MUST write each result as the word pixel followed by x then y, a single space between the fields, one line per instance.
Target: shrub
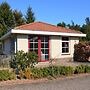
pixel 27 73
pixel 6 75
pixel 82 52
pixel 80 69
pixel 53 71
pixel 63 70
pixel 32 59
pixel 22 60
pixel 19 61
pixel 87 69
pixel 35 73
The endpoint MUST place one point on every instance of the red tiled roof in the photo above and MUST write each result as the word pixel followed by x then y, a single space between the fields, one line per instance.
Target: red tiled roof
pixel 41 26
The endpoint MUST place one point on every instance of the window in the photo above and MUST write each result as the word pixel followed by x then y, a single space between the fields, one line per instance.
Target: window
pixel 65 45
pixel 33 43
pixel 44 48
pixel 39 44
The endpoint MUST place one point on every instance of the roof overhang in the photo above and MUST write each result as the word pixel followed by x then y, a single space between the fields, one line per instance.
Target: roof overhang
pixel 38 32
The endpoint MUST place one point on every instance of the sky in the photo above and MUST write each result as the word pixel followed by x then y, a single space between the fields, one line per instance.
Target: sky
pixel 54 11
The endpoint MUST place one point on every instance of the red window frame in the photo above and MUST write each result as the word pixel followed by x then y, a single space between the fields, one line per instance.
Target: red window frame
pixel 39 48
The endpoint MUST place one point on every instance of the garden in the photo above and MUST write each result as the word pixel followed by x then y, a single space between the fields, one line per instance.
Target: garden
pixel 22 66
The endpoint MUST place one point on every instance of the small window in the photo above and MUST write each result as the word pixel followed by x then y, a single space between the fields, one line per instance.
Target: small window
pixel 65 45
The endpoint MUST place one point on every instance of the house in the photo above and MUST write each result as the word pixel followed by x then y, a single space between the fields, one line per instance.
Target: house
pixel 48 41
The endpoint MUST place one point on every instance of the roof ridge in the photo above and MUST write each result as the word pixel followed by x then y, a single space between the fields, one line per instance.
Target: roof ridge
pixel 47 24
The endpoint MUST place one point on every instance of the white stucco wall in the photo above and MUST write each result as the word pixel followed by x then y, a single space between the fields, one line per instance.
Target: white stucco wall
pixel 6 47
pixel 22 43
pixel 56 47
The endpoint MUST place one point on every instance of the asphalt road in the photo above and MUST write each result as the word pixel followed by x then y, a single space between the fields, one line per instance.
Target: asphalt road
pixel 80 83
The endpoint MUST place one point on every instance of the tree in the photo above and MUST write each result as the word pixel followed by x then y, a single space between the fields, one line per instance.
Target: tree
pixel 6 18
pixel 18 17
pixel 62 24
pixel 30 16
pixel 74 26
pixel 86 28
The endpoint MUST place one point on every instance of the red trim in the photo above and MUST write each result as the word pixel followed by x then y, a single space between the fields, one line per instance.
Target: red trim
pixel 44 61
pixel 39 48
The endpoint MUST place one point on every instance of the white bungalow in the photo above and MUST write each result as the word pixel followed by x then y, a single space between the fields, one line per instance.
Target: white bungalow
pixel 48 41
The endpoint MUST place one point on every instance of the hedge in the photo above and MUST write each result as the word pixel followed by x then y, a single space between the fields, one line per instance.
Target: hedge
pixel 57 71
pixel 45 72
pixel 6 75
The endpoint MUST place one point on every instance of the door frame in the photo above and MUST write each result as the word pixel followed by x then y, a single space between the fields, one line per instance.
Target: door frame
pixel 39 47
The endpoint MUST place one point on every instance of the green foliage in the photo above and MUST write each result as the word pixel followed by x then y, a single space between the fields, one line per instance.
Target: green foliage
pixel 22 60
pixel 6 18
pixel 31 59
pixel 54 71
pixel 19 60
pixel 87 69
pixel 6 75
pixel 30 15
pixel 18 18
pixel 80 69
pixel 62 24
pixel 82 52
pixel 11 18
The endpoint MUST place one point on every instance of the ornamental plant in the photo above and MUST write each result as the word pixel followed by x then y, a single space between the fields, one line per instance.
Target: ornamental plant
pixel 82 52
pixel 22 60
pixel 32 59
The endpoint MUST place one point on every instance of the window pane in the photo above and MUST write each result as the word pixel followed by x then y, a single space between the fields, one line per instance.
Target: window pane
pixel 65 38
pixel 65 50
pixel 31 45
pixel 42 39
pixel 46 39
pixel 42 51
pixel 65 44
pixel 36 45
pixel 35 39
pixel 46 51
pixel 36 50
pixel 46 45
pixel 42 45
pixel 46 57
pixel 31 38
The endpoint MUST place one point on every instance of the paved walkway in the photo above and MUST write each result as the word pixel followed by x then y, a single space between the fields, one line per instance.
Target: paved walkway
pixel 62 63
pixel 79 83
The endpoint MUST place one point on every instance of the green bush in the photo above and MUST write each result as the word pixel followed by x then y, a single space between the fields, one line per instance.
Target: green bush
pixel 32 59
pixel 87 69
pixel 80 69
pixel 22 60
pixel 18 61
pixel 54 71
pixel 6 75
pixel 66 70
